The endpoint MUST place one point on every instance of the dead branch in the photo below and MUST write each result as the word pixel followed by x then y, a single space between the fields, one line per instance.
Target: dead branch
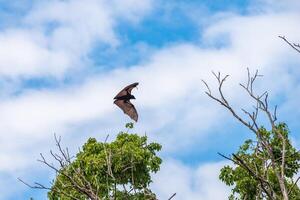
pixel 171 197
pixel 222 100
pixel 78 180
pixel 238 161
pixel 294 46
pixel 262 105
pixel 43 187
pixel 290 190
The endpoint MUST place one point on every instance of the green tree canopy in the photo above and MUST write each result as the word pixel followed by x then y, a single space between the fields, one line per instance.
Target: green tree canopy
pixel 117 170
pixel 254 176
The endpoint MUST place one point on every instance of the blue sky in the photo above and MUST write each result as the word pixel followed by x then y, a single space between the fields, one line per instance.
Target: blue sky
pixel 62 62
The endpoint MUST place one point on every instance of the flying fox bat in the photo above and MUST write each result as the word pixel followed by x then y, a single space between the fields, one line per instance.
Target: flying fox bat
pixel 122 100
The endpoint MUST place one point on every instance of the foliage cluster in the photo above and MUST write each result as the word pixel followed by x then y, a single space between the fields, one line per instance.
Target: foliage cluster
pixel 254 156
pixel 117 170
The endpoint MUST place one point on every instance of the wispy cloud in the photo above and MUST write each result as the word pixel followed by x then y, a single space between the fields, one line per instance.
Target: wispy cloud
pixel 200 183
pixel 55 39
pixel 57 36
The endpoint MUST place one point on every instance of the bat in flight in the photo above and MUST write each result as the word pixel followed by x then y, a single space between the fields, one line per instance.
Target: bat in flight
pixel 122 100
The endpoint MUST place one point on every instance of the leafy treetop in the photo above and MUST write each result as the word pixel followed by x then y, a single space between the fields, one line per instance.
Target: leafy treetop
pixel 117 170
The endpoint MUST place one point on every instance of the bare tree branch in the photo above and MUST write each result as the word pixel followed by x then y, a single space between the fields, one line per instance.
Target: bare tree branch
pixel 41 186
pixel 64 160
pixel 262 104
pixel 242 164
pixel 294 46
pixel 292 187
pixel 222 100
pixel 171 197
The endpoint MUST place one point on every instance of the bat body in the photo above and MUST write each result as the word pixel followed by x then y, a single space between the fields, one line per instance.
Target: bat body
pixel 122 100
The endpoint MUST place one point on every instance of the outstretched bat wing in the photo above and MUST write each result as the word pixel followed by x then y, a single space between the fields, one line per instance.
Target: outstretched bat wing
pixel 128 108
pixel 126 90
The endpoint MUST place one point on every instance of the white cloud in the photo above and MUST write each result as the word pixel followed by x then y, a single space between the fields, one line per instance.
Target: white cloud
pixel 170 92
pixel 23 52
pixel 56 36
pixel 171 78
pixel 200 183
pixel 254 38
pixel 132 10
pixel 91 21
pixel 275 5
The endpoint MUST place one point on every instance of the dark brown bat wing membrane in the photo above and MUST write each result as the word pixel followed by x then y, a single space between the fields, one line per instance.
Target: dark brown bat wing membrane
pixel 128 108
pixel 126 90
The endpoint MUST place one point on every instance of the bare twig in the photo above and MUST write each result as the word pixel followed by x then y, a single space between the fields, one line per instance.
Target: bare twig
pixel 294 46
pixel 241 163
pixel 262 105
pixel 43 187
pixel 77 179
pixel 292 187
pixel 171 197
pixel 223 100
